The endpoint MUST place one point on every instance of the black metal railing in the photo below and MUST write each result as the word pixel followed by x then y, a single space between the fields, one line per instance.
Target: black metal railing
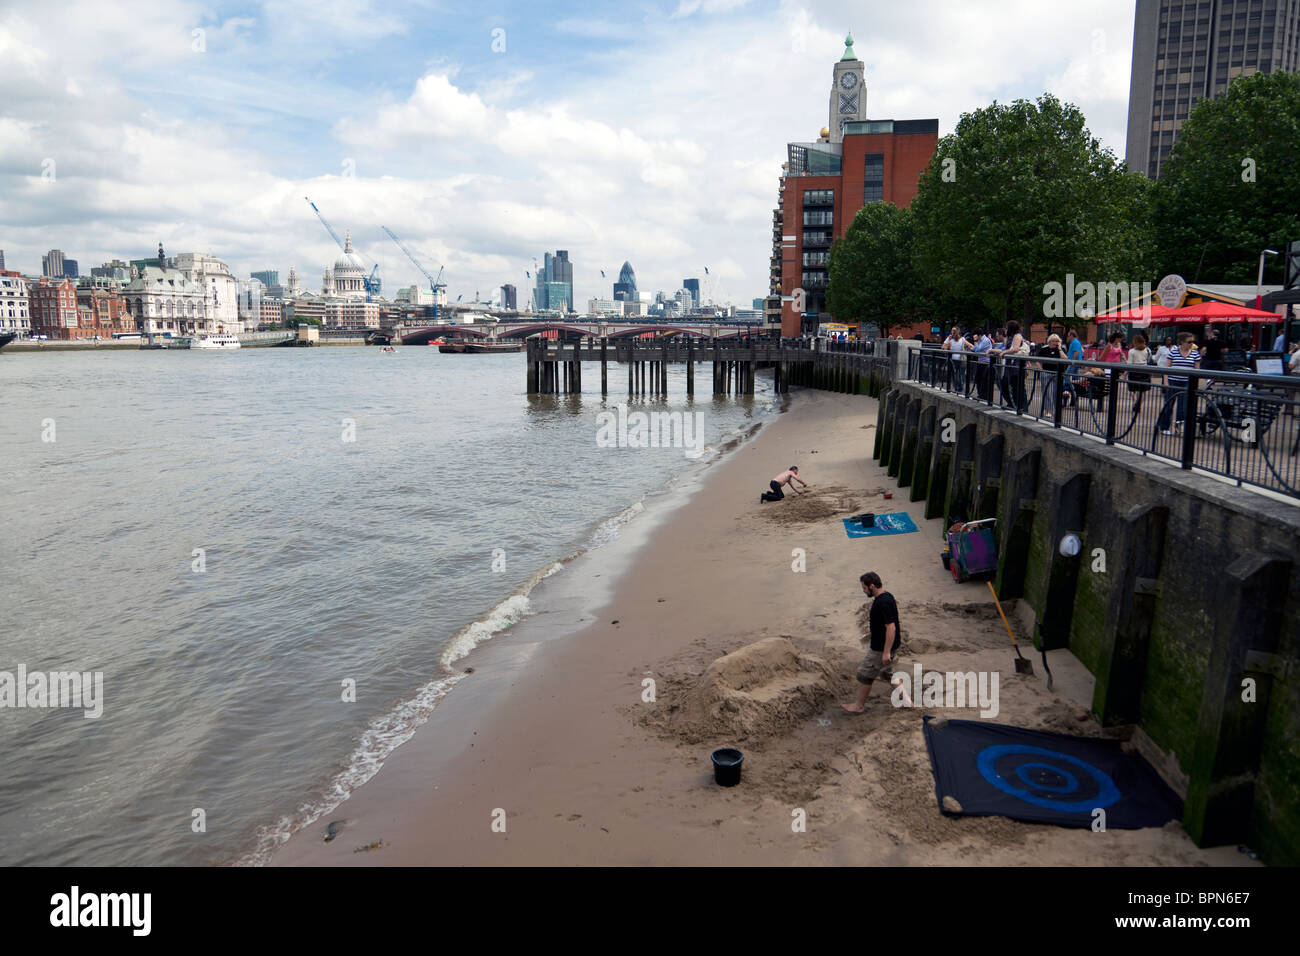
pixel 1240 426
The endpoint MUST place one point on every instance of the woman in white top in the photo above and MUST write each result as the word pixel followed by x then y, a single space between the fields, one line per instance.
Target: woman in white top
pixel 1139 382
pixel 1166 347
pixel 956 344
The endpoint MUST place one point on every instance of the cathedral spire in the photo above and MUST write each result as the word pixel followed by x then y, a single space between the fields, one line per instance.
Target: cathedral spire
pixel 347 241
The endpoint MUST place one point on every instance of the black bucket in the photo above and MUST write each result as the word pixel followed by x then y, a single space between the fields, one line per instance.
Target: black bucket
pixel 726 766
pixel 867 520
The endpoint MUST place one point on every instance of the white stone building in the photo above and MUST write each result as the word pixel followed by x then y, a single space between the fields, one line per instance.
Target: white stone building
pixel 163 299
pixel 13 306
pixel 220 286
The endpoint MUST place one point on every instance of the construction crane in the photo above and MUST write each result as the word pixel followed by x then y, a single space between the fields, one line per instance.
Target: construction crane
pixel 370 283
pixel 434 284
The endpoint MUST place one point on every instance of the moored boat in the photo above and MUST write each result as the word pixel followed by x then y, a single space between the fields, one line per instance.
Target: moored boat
pixel 480 347
pixel 217 340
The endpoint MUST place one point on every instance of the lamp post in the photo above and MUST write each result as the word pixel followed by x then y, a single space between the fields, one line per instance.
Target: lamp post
pixel 1259 284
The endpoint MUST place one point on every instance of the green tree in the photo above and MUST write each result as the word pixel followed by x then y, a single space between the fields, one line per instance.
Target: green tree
pixel 1023 195
pixel 1230 188
pixel 873 275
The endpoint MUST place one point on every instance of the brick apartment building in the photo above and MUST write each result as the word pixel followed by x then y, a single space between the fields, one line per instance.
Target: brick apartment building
pixel 855 161
pixel 54 308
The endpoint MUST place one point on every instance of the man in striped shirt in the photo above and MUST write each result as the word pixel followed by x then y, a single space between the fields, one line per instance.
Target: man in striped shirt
pixel 1185 356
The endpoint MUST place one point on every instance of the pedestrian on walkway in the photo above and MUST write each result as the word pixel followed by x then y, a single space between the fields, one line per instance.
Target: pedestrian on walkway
pixel 1185 356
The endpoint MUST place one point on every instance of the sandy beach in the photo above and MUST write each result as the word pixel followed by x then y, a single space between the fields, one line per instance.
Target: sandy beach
pixel 561 741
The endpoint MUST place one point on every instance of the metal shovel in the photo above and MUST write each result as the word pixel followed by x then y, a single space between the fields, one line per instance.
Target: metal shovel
pixel 1023 664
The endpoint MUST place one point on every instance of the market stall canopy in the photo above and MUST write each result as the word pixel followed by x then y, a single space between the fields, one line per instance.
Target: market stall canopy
pixel 1216 312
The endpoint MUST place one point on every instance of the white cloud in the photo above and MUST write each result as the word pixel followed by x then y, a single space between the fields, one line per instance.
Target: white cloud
pixel 665 152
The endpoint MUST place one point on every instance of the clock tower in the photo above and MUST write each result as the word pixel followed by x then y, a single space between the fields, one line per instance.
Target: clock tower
pixel 848 92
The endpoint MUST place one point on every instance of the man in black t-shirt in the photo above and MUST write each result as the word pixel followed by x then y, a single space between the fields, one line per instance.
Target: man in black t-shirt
pixel 885 638
pixel 1212 357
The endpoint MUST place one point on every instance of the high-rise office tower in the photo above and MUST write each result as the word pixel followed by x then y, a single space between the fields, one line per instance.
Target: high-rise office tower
pixel 268 277
pixel 509 298
pixel 693 286
pixel 625 287
pixel 52 264
pixel 555 283
pixel 1185 51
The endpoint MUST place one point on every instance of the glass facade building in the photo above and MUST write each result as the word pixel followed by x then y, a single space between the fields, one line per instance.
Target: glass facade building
pixel 555 283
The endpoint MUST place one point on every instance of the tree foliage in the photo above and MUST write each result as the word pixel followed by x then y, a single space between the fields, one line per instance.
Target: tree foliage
pixel 1230 188
pixel 1021 195
pixel 872 272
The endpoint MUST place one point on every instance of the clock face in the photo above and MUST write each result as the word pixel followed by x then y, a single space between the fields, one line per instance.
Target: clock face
pixel 848 80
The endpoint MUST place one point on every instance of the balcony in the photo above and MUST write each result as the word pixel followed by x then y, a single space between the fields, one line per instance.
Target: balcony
pixel 818 219
pixel 815 241
pixel 815 280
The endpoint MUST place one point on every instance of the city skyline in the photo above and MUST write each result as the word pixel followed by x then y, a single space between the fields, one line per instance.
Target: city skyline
pixel 515 132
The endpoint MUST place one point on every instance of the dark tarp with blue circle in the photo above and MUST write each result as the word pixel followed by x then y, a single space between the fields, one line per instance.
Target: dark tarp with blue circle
pixel 996 770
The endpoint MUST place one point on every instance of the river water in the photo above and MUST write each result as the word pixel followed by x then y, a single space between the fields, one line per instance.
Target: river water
pixel 242 542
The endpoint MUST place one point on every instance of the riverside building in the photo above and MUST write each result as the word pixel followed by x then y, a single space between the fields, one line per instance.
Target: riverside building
pixel 14 314
pixel 101 310
pixel 53 307
pixel 162 299
pixel 853 162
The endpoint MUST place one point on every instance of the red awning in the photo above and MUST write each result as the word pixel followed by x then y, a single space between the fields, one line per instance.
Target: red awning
pixel 1153 311
pixel 1216 312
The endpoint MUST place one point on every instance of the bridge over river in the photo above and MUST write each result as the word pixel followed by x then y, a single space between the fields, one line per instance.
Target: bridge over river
pixel 574 330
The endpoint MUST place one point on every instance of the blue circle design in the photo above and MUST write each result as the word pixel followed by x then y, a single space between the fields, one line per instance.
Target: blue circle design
pixel 1107 792
pixel 1070 786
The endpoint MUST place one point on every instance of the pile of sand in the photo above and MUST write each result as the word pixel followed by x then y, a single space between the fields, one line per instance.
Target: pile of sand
pixel 759 690
pixel 815 504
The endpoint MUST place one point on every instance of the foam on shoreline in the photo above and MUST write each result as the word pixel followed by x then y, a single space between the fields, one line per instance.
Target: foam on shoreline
pixel 390 730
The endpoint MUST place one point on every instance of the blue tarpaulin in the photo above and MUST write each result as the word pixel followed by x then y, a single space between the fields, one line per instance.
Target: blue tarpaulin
pixel 996 770
pixel 885 524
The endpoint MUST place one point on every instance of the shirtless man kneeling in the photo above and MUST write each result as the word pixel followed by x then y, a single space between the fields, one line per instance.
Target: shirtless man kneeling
pixel 787 477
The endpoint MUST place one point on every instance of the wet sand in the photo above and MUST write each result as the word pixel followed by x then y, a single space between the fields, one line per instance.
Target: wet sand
pixel 555 735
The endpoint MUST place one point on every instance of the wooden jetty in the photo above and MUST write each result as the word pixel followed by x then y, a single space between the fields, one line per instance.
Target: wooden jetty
pixel 555 368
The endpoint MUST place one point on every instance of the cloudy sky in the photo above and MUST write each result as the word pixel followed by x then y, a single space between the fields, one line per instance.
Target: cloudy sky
pixel 484 133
